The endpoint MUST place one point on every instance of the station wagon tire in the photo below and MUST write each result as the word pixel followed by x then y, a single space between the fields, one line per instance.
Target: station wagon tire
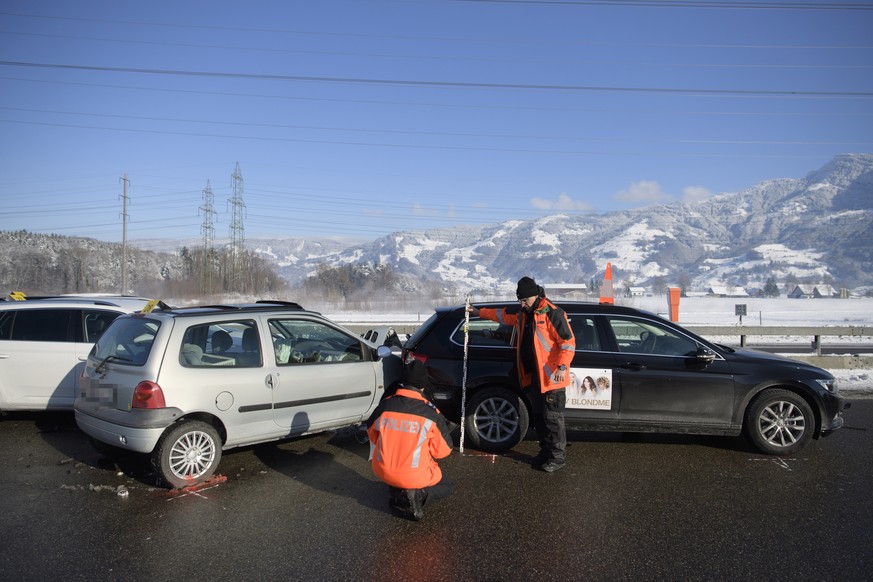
pixel 779 422
pixel 497 420
pixel 187 454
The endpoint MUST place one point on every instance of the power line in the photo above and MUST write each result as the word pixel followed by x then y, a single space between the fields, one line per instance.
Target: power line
pixel 358 54
pixel 452 147
pixel 453 84
pixel 689 4
pixel 594 138
pixel 464 105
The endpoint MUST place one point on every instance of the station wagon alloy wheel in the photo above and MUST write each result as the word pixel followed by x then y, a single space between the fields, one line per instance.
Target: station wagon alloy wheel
pixel 499 419
pixel 779 422
pixel 496 420
pixel 782 424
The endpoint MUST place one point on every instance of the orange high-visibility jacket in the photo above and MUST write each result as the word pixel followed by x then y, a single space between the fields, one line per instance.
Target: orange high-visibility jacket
pixel 554 343
pixel 407 434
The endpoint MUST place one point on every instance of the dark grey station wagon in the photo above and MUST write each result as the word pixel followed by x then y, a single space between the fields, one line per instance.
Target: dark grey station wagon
pixel 633 372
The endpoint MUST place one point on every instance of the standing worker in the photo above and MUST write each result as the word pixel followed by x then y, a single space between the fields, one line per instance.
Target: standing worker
pixel 543 355
pixel 407 434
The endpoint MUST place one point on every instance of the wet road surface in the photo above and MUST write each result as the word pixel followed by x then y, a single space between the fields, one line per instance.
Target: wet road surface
pixel 625 508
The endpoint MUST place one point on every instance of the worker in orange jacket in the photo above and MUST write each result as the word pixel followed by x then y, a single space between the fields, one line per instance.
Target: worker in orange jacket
pixel 407 434
pixel 544 354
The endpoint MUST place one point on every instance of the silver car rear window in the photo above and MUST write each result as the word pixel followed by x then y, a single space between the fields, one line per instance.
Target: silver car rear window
pixel 127 341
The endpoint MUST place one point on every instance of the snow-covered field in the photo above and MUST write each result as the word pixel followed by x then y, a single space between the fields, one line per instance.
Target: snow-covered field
pixel 716 311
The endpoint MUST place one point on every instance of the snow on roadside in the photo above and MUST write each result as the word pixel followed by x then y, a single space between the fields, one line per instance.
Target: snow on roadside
pixel 854 383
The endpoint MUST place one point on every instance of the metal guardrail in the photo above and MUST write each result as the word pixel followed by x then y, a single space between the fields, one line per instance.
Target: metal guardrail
pixel 743 332
pixel 852 362
pixel 815 332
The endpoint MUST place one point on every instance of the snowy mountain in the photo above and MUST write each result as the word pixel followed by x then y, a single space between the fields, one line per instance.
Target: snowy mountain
pixel 818 229
pixel 815 229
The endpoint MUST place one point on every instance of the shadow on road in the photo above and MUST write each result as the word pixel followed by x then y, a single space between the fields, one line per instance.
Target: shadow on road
pixel 326 472
pixel 60 432
pixel 727 443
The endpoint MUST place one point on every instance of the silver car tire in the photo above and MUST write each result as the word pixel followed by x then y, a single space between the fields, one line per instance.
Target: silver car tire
pixel 187 454
pixel 779 422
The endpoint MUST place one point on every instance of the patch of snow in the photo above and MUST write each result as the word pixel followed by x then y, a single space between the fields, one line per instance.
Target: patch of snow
pixel 541 237
pixel 625 251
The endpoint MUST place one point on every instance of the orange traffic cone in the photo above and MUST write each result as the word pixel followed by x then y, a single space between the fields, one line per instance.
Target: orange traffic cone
pixel 607 295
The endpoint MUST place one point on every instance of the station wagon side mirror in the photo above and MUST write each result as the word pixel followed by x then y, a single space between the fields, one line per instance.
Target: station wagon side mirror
pixel 383 352
pixel 705 356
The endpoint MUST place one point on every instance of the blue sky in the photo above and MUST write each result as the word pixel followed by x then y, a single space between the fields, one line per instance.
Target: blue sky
pixel 356 118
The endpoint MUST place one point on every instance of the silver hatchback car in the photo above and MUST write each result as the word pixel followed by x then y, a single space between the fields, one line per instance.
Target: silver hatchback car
pixel 183 384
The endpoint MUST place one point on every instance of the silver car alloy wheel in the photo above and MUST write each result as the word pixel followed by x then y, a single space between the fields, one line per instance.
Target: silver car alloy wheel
pixel 192 455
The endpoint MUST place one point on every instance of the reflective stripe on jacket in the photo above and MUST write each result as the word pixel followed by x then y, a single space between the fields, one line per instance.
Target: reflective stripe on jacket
pixel 553 339
pixel 407 434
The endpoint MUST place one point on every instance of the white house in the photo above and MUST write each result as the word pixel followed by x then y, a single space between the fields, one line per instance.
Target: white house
pixel 565 289
pixel 812 291
pixel 727 291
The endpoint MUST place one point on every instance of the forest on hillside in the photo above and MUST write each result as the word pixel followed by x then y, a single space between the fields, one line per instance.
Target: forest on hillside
pixel 38 264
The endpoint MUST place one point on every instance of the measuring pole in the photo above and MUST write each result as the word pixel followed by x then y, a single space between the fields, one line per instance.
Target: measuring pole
pixel 464 377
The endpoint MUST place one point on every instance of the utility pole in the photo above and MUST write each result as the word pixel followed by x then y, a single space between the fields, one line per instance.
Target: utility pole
pixel 124 217
pixel 237 231
pixel 208 229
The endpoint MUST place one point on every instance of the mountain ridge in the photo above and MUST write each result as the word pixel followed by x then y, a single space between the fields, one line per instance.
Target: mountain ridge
pixel 813 229
pixel 816 229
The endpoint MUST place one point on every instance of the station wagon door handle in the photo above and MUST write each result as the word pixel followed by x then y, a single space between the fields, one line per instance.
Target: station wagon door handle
pixel 271 382
pixel 634 366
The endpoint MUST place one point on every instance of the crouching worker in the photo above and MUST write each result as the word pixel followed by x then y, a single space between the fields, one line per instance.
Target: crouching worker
pixel 407 434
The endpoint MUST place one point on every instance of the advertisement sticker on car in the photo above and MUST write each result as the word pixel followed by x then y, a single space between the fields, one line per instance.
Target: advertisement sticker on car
pixel 590 388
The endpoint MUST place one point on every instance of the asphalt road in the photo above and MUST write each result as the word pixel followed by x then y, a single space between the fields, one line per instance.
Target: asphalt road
pixel 625 508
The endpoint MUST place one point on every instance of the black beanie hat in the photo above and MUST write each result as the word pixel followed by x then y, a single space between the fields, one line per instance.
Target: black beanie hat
pixel 527 287
pixel 415 375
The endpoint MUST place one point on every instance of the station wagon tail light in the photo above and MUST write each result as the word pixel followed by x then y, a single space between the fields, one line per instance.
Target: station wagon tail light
pixel 409 356
pixel 148 395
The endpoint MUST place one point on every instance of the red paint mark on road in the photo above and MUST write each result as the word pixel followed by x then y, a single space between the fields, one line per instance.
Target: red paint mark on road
pixel 208 484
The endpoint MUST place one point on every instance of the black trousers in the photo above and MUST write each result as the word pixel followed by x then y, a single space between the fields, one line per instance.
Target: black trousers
pixel 548 421
pixel 439 490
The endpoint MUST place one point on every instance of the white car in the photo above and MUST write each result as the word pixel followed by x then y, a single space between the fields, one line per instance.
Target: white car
pixel 181 385
pixel 44 343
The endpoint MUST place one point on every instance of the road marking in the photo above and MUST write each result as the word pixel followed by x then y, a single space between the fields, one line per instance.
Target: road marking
pixel 781 463
pixel 186 493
